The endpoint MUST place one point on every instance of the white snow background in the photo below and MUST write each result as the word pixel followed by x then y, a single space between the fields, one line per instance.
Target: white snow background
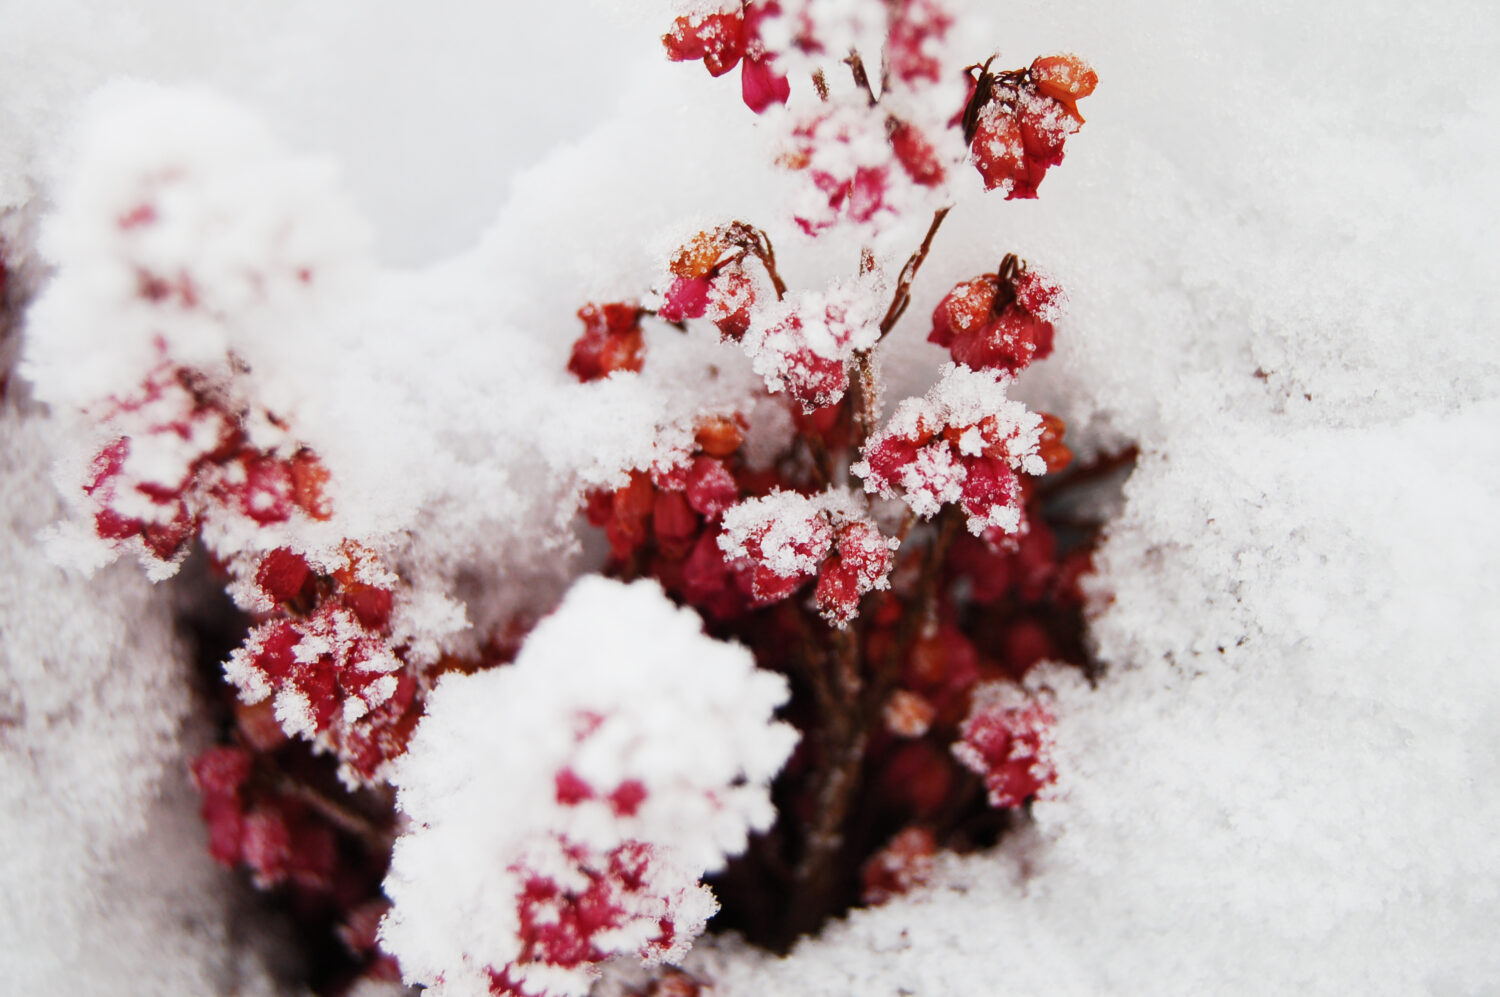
pixel 1278 237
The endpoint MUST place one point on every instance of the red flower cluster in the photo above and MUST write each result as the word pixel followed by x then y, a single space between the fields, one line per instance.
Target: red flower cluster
pixel 1017 122
pixel 963 444
pixel 916 27
pixel 804 344
pixel 787 539
pixel 854 155
pixel 723 40
pixel 184 456
pixel 1006 739
pixel 904 863
pixel 669 520
pixel 271 833
pixel 611 341
pixel 333 677
pixel 560 924
pixel 1000 321
pixel 709 278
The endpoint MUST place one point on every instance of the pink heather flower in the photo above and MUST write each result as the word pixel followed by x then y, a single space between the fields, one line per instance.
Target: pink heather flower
pixel 803 344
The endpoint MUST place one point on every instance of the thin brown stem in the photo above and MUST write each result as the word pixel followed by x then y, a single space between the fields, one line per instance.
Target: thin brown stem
pixel 1100 467
pixel 822 459
pixel 842 736
pixel 902 298
pixel 350 822
pixel 820 84
pixel 927 585
pixel 861 78
pixel 752 241
pixel 864 397
pixel 907 522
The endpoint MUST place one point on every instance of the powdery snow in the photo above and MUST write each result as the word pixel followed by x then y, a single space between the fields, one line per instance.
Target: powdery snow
pixel 530 786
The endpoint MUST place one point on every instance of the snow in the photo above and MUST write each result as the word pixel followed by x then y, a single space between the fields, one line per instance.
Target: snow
pixel 1280 785
pixel 105 868
pixel 1276 235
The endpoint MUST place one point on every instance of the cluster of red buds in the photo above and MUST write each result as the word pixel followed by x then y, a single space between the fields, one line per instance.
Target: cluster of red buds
pixel 1007 740
pixel 184 466
pixel 727 38
pixel 1017 122
pixel 611 341
pixel 964 443
pixel 805 343
pixel 293 840
pixel 567 925
pixel 709 278
pixel 181 455
pixel 667 522
pixel 325 660
pixel 788 539
pixel 999 320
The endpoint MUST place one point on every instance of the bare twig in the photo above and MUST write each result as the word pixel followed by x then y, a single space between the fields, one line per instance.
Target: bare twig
pixel 820 84
pixel 350 822
pixel 861 78
pixel 902 297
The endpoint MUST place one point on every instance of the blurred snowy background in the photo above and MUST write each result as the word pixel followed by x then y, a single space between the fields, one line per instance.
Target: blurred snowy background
pixel 1278 234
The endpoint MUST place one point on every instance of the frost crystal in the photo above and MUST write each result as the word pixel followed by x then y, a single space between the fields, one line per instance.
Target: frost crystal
pixel 565 808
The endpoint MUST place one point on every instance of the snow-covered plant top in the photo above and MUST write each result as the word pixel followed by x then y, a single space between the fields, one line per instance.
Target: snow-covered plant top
pixel 565 808
pixel 564 787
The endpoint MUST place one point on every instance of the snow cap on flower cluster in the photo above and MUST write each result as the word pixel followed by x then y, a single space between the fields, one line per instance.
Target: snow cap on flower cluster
pixel 183 229
pixel 564 808
pixel 802 344
pixel 787 531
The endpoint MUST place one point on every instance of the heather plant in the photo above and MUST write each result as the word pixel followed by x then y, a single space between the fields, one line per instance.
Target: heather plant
pixel 810 664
